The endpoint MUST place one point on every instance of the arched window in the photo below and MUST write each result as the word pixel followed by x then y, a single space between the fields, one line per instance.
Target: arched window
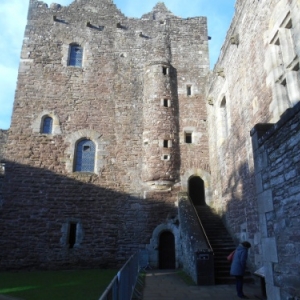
pixel 47 125
pixel 85 156
pixel 224 118
pixel 75 58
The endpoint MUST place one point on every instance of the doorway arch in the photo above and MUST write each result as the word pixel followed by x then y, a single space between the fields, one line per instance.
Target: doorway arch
pixel 196 190
pixel 167 250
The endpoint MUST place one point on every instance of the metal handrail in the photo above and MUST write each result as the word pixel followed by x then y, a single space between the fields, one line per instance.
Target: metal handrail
pixel 203 230
pixel 123 284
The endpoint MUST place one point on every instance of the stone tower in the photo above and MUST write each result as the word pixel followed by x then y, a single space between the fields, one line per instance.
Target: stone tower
pixel 109 124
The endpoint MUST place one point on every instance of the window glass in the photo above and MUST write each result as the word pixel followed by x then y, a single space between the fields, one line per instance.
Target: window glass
pixel 75 56
pixel 47 125
pixel 85 156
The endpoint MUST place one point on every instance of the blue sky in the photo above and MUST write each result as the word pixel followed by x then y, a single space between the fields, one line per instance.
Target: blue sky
pixel 13 14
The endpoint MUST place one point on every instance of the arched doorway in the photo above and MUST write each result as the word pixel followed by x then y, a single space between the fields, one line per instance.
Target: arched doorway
pixel 196 190
pixel 166 250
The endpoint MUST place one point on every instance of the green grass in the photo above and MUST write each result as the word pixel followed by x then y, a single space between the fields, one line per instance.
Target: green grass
pixel 58 285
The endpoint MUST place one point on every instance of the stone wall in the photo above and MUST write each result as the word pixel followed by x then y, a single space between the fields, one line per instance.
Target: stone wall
pixel 109 101
pixel 277 159
pixel 254 81
pixel 3 139
pixel 197 253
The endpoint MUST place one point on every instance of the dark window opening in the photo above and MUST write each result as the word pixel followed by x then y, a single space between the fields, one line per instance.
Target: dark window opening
pixel 166 157
pixel 72 235
pixel 166 143
pixel 189 90
pixel 165 70
pixel 75 56
pixel 166 103
pixel 188 137
pixel 47 125
pixel 86 148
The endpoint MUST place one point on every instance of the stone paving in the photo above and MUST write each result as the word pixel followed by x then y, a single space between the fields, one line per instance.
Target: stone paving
pixel 168 285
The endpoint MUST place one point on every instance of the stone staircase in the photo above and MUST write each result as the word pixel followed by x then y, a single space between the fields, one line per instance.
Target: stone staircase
pixel 221 243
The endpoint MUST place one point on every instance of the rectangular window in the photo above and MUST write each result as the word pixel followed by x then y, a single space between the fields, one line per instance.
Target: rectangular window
pixel 166 104
pixel 72 235
pixel 166 144
pixel 165 70
pixel 75 58
pixel 189 90
pixel 188 138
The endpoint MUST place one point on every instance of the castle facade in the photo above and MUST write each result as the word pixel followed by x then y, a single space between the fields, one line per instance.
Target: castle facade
pixel 116 118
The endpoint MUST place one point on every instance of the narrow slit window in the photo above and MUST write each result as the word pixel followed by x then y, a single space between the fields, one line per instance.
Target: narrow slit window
pixel 72 235
pixel 166 104
pixel 165 70
pixel 189 90
pixel 166 144
pixel 188 138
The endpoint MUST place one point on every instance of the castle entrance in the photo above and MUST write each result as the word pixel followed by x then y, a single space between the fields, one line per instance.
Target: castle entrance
pixel 166 250
pixel 196 190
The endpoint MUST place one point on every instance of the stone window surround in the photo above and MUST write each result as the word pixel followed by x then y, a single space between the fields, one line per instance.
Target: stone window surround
pixel 165 157
pixel 44 125
pixel 65 229
pixel 164 100
pixel 100 153
pixel 66 51
pixel 218 111
pixel 224 117
pixel 285 85
pixel 196 135
pixel 162 143
pixel 38 123
pixel 187 133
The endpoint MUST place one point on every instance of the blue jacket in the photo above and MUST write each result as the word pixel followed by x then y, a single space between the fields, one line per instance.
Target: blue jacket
pixel 238 265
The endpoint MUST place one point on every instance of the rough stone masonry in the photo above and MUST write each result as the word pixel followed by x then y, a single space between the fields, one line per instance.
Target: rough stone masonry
pixel 137 98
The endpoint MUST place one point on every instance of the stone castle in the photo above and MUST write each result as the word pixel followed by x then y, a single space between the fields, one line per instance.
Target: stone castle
pixel 117 121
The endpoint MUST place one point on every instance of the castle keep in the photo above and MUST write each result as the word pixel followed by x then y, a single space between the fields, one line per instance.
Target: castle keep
pixel 119 130
pixel 109 115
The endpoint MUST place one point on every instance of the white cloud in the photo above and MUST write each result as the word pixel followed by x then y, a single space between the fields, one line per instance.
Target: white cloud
pixel 13 14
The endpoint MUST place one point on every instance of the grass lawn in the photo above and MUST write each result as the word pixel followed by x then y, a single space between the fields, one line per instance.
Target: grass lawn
pixel 58 285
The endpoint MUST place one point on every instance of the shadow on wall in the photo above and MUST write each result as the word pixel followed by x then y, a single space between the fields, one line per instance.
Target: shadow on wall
pixel 53 221
pixel 241 215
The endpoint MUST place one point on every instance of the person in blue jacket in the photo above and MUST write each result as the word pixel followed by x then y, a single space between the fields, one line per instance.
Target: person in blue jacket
pixel 238 267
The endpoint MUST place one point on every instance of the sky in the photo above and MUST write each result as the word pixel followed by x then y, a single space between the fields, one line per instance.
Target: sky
pixel 13 16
